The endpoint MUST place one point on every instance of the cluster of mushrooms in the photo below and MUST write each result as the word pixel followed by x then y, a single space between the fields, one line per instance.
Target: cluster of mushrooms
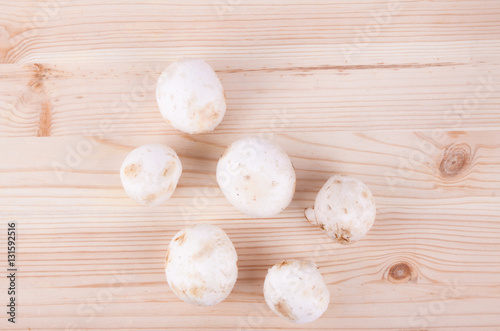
pixel 258 178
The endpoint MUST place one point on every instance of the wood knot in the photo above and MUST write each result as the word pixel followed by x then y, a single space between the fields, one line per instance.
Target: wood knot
pixel 401 272
pixel 40 74
pixel 456 159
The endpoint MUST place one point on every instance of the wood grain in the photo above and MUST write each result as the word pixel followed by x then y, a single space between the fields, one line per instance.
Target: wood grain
pixel 63 100
pixel 414 114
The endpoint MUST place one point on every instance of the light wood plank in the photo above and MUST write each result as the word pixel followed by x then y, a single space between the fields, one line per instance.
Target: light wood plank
pixel 387 108
pixel 443 226
pixel 115 100
pixel 273 34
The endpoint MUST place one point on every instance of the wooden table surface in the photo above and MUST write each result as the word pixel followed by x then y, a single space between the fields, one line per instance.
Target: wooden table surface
pixel 404 95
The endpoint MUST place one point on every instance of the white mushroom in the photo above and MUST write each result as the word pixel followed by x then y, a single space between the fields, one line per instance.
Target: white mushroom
pixel 256 176
pixel 190 96
pixel 344 208
pixel 201 265
pixel 296 291
pixel 150 173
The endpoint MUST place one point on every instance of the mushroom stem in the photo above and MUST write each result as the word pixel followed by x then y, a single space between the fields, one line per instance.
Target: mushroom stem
pixel 344 208
pixel 311 216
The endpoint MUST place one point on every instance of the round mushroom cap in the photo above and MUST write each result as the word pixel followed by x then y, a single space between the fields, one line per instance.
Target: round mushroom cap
pixel 344 208
pixel 150 173
pixel 296 291
pixel 201 265
pixel 256 176
pixel 190 96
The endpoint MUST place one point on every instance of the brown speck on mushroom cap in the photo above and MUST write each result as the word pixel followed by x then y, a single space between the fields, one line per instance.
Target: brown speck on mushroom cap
pixel 132 170
pixel 284 309
pixel 284 263
pixel 170 166
pixel 206 250
pixel 149 198
pixel 180 237
pixel 197 292
pixel 166 258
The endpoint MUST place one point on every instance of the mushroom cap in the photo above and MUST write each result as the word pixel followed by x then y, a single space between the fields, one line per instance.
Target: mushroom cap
pixel 344 208
pixel 150 173
pixel 190 96
pixel 256 176
pixel 296 291
pixel 201 265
